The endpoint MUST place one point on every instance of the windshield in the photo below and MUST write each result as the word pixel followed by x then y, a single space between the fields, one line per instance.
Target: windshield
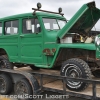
pixel 61 23
pixel 53 24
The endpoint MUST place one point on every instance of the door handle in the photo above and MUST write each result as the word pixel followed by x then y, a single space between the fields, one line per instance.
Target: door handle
pixel 21 35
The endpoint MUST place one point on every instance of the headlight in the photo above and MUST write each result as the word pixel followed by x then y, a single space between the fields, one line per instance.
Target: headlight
pixel 39 5
pixel 97 41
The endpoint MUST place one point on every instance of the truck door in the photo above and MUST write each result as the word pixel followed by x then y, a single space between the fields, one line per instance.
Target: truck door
pixel 31 41
pixel 9 41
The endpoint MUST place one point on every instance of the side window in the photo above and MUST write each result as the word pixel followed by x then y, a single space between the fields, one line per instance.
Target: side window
pixel 33 25
pixel 0 28
pixel 11 27
pixel 50 24
pixel 25 30
pixel 37 26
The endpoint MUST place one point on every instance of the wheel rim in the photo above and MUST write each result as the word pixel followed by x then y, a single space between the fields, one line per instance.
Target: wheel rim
pixel 73 71
pixel 2 64
pixel 2 85
pixel 21 89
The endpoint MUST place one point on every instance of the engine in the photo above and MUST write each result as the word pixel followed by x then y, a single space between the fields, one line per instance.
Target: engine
pixel 80 37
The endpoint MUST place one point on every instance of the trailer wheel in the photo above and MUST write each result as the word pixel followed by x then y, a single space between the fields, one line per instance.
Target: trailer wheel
pixel 4 63
pixel 6 84
pixel 23 88
pixel 34 68
pixel 76 68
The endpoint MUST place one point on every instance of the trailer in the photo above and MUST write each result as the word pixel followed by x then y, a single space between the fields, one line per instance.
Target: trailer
pixel 43 80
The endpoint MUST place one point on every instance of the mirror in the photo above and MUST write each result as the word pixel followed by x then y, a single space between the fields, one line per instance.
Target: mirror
pixel 38 29
pixel 28 25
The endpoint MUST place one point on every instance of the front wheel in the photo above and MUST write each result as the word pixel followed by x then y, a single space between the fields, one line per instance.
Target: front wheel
pixel 76 68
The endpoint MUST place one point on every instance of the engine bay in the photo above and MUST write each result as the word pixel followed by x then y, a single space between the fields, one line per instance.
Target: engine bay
pixel 80 37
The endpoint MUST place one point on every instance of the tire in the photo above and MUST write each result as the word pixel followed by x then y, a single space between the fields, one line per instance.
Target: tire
pixel 34 68
pixel 6 84
pixel 23 87
pixel 4 63
pixel 96 73
pixel 76 68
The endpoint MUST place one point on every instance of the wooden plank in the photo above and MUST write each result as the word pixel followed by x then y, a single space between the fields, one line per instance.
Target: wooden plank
pixel 58 85
pixel 46 71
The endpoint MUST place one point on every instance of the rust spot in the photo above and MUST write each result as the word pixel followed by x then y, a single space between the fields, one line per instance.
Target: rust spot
pixel 46 50
pixel 53 50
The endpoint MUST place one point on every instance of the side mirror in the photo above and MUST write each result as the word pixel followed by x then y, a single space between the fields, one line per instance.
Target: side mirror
pixel 38 29
pixel 28 25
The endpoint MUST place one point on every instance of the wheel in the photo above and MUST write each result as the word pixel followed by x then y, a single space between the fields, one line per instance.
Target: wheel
pixel 6 84
pixel 96 73
pixel 23 87
pixel 34 68
pixel 76 68
pixel 4 63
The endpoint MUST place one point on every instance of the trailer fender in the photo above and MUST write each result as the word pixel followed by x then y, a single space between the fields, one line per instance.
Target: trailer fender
pixel 31 79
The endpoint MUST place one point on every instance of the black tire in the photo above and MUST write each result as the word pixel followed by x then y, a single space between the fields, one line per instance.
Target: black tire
pixel 6 84
pixel 34 68
pixel 23 87
pixel 4 63
pixel 96 73
pixel 76 68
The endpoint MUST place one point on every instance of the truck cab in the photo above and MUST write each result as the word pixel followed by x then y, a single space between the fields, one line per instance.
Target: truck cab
pixel 31 34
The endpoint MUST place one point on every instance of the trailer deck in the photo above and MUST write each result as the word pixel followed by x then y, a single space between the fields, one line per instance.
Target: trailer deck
pixel 50 81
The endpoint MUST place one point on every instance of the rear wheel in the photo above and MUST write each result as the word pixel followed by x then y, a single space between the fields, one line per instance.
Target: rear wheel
pixel 23 88
pixel 4 63
pixel 6 84
pixel 76 68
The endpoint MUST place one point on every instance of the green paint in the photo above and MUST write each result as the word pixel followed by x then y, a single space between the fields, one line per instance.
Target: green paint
pixel 28 48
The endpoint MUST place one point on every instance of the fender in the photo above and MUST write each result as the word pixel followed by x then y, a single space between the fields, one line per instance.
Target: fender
pixel 79 45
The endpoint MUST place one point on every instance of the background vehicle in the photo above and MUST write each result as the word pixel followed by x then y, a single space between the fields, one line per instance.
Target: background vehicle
pixel 47 40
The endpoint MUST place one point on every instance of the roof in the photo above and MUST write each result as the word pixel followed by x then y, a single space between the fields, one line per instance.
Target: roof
pixel 30 14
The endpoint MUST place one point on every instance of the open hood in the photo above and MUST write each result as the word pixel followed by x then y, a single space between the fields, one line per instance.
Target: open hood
pixel 83 21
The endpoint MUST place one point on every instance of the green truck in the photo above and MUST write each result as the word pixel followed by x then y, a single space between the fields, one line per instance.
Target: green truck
pixel 46 39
